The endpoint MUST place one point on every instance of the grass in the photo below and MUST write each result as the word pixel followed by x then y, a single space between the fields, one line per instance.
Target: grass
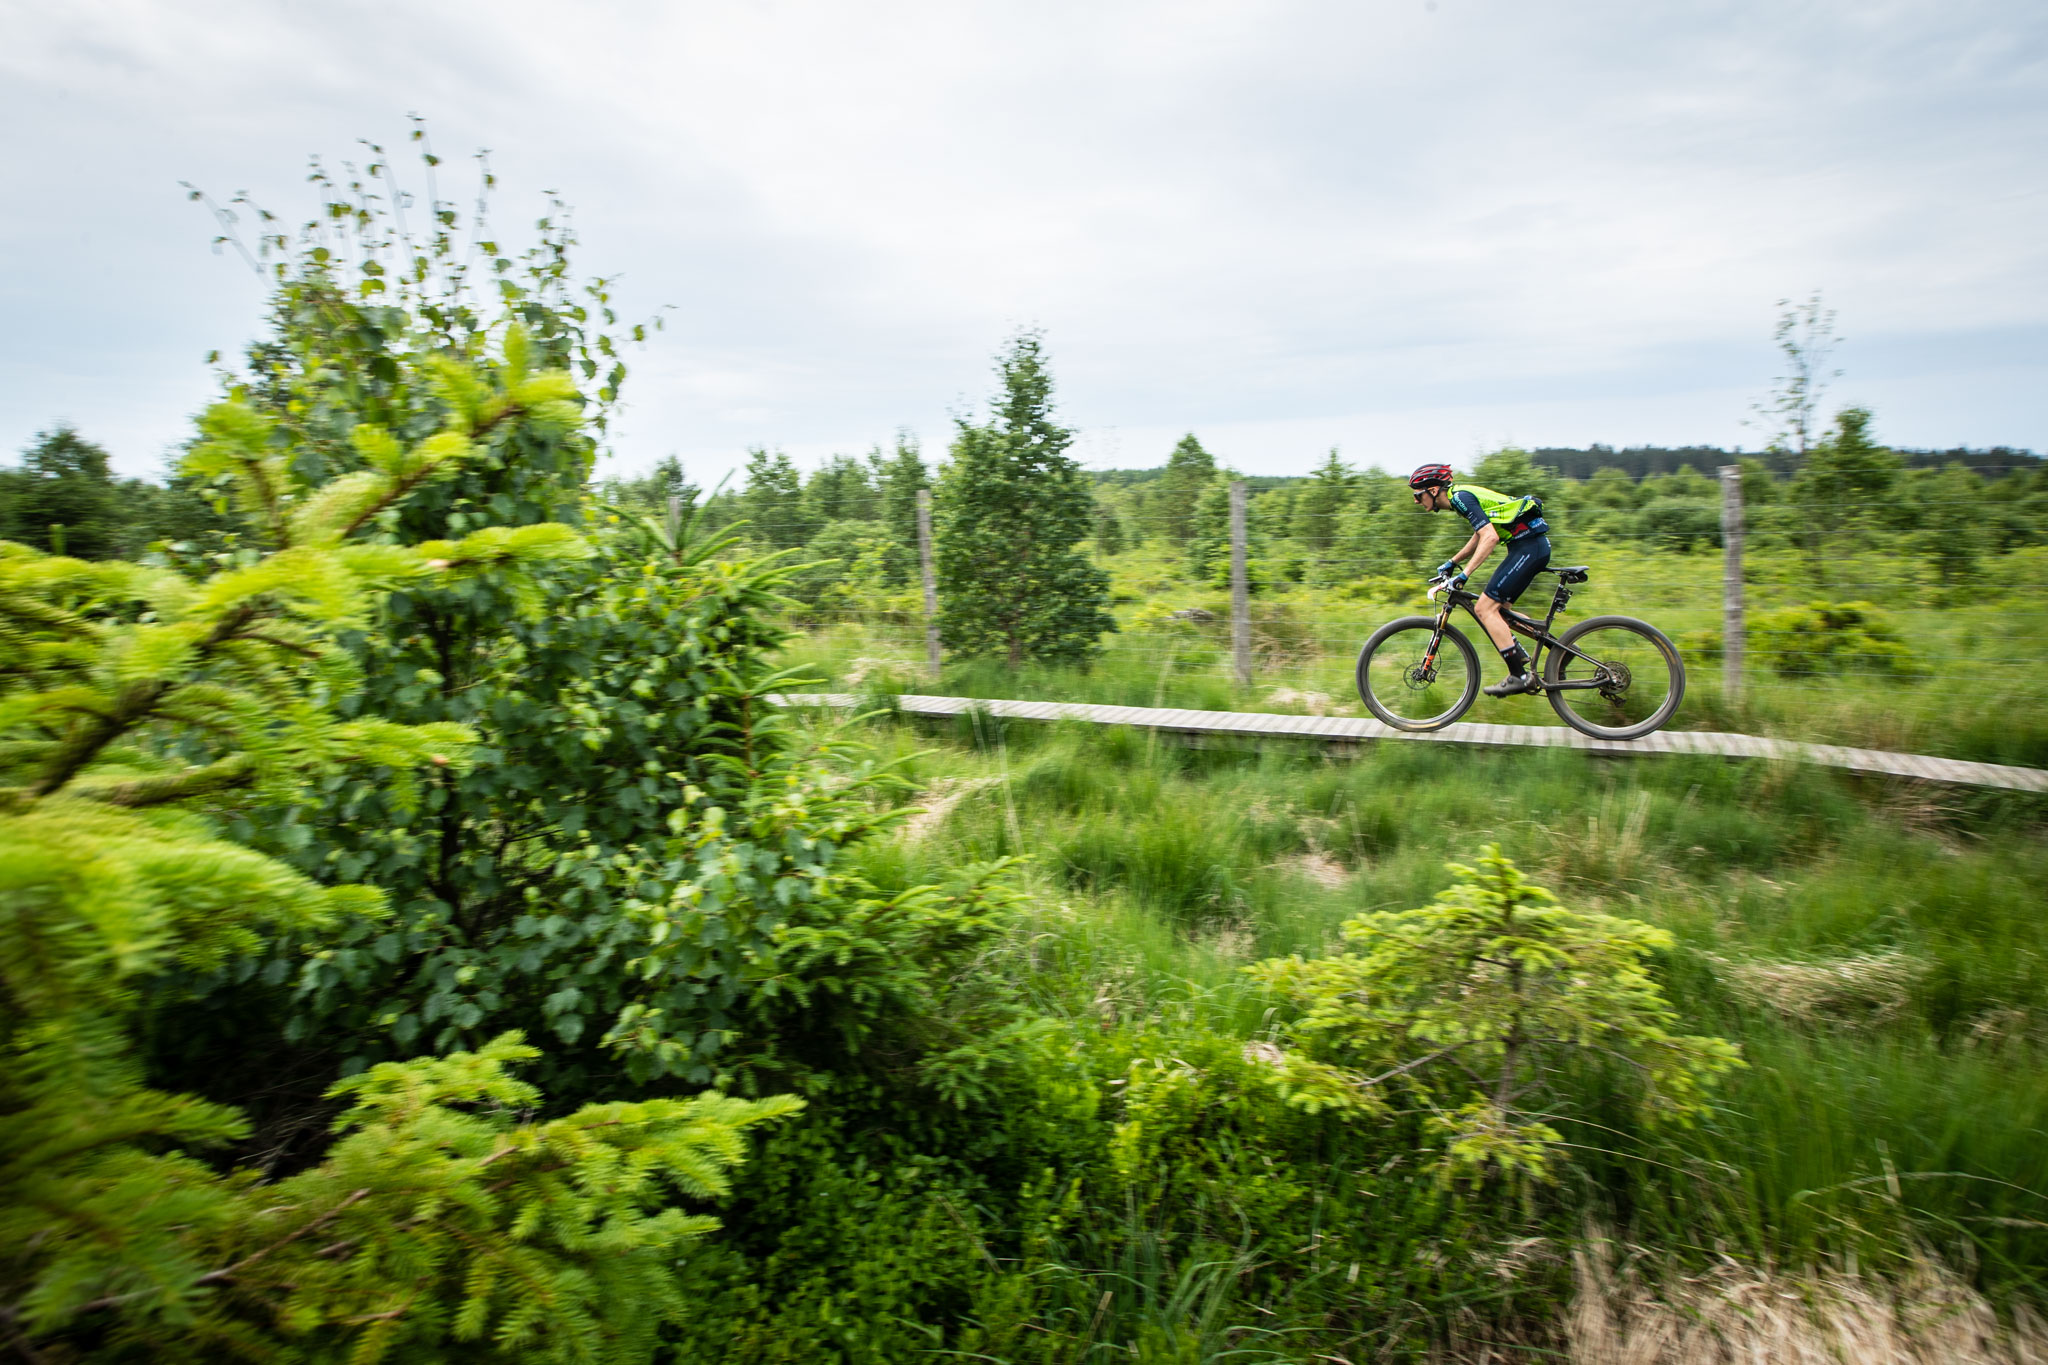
pixel 1735 1312
pixel 1878 951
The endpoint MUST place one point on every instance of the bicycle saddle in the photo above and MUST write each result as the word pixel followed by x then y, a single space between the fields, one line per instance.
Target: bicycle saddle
pixel 1568 573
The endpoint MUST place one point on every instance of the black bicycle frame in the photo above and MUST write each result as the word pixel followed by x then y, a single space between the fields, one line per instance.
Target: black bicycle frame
pixel 1539 631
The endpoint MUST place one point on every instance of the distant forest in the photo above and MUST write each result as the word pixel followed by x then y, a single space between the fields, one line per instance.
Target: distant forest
pixel 64 497
pixel 1640 462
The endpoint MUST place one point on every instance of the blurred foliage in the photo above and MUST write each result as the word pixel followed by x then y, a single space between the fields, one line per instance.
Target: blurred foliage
pixel 1829 637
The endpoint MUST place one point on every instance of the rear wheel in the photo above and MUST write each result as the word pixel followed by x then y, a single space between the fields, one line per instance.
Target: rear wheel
pixel 1629 684
pixel 1409 686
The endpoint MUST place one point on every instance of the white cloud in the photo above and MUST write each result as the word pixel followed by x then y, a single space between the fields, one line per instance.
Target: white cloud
pixel 1289 224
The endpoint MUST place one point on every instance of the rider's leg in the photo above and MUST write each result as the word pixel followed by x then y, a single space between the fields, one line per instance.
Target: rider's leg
pixel 1511 652
pixel 1524 559
pixel 1495 624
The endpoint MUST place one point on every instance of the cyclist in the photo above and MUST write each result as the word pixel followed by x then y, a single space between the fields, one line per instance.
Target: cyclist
pixel 1496 518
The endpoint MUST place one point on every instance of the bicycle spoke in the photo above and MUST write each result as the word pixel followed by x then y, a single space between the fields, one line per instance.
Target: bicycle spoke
pixel 1413 689
pixel 1636 679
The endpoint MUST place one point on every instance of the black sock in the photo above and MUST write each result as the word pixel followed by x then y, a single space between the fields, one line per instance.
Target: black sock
pixel 1516 658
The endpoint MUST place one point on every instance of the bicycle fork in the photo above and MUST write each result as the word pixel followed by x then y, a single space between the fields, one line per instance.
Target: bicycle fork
pixel 1436 641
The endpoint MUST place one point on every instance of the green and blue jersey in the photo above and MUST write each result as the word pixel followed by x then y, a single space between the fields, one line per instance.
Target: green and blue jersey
pixel 1512 518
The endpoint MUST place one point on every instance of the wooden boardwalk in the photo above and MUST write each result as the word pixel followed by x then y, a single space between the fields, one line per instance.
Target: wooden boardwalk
pixel 1352 730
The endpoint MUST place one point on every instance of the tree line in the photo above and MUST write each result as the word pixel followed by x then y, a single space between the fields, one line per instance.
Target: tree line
pixel 1023 533
pixel 1341 525
pixel 1640 462
pixel 1345 528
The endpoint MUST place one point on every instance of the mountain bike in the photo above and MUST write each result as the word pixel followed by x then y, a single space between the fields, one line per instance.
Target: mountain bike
pixel 1611 677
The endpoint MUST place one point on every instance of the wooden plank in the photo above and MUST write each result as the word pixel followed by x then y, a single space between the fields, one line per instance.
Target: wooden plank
pixel 1946 770
pixel 2032 780
pixel 1351 730
pixel 1909 765
pixel 2025 779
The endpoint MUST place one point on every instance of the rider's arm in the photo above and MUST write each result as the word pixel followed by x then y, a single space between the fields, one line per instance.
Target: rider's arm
pixel 1481 545
pixel 1467 506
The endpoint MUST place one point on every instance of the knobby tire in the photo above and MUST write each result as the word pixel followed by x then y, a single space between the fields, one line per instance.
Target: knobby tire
pixel 1416 630
pixel 1557 664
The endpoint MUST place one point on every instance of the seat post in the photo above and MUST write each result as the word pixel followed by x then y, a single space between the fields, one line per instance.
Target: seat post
pixel 1566 576
pixel 1557 601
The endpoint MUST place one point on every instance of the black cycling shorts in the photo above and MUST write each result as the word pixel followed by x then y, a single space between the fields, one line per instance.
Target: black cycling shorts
pixel 1525 559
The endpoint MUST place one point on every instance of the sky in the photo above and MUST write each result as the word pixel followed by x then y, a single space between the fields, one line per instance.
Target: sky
pixel 1408 229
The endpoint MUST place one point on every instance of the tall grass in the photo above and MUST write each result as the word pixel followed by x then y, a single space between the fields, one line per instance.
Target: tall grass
pixel 1878 952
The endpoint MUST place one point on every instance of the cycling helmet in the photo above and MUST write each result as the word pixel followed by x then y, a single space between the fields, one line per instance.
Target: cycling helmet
pixel 1431 476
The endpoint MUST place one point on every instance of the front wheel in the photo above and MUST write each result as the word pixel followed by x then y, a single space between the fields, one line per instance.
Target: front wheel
pixel 1413 679
pixel 1628 682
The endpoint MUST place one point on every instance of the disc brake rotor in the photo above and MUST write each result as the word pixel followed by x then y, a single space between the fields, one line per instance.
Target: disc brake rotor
pixel 1421 677
pixel 1616 682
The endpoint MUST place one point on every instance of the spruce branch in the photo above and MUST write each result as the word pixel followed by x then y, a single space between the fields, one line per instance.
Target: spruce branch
pixel 130 708
pixel 263 637
pixel 228 1272
pixel 236 770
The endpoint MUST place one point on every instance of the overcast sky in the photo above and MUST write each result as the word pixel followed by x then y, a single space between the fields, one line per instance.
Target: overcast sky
pixel 1410 229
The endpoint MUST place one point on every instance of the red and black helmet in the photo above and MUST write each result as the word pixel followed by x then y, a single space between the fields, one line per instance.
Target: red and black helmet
pixel 1431 476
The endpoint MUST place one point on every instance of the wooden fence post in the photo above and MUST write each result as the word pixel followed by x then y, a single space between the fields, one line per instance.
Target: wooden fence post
pixel 931 582
pixel 675 517
pixel 1732 629
pixel 1240 590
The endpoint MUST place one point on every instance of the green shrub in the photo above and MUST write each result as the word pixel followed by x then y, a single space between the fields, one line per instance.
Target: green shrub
pixel 641 868
pixel 1830 637
pixel 139 704
pixel 1679 524
pixel 846 564
pixel 1700 646
pixel 1473 1006
pixel 1135 1193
